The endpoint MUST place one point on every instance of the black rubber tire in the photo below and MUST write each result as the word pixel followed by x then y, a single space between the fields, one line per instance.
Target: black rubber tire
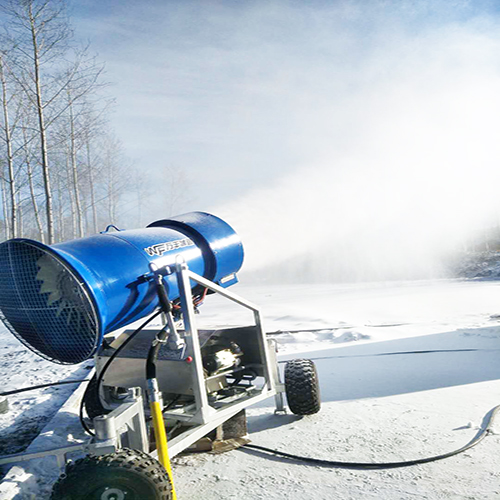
pixel 302 387
pixel 124 475
pixel 91 401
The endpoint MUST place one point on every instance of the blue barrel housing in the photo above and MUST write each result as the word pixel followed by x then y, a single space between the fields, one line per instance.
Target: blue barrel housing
pixel 60 300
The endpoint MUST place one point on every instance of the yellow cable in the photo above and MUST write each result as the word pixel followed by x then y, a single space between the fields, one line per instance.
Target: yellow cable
pixel 161 442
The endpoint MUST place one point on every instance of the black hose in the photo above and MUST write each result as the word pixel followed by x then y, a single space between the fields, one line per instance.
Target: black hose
pixel 106 366
pixel 382 465
pixel 42 386
pixel 165 304
pixel 153 353
pixel 397 353
pixel 165 307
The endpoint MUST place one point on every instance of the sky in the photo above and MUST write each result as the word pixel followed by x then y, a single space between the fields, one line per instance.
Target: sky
pixel 359 136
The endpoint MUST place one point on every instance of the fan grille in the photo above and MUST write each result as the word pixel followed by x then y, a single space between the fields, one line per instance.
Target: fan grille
pixel 45 305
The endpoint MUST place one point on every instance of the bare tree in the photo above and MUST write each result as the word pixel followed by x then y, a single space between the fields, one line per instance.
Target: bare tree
pixel 60 174
pixel 11 181
pixel 114 177
pixel 5 210
pixel 75 184
pixel 142 191
pixel 60 203
pixel 40 33
pixel 93 127
pixel 30 174
pixel 92 189
pixel 176 190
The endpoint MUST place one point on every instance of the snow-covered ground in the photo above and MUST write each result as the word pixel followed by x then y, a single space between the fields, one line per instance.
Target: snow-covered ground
pixel 381 400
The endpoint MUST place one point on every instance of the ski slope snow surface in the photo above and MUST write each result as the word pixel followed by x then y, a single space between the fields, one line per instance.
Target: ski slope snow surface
pixel 407 370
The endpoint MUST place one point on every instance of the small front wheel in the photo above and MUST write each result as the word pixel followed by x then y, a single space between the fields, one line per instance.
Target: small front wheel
pixel 302 387
pixel 124 475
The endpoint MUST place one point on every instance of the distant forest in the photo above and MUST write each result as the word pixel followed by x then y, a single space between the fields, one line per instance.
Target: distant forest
pixel 63 173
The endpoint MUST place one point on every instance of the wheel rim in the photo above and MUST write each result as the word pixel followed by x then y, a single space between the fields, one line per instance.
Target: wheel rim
pixel 114 493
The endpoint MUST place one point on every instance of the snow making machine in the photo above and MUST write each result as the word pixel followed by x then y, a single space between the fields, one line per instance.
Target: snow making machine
pixel 100 297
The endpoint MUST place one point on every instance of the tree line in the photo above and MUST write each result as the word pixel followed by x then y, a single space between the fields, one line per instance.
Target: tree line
pixel 62 172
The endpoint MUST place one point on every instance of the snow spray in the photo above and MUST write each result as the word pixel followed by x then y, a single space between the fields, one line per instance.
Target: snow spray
pixel 403 168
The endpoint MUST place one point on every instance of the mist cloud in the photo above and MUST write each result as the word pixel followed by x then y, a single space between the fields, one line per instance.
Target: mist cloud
pixel 406 168
pixel 343 140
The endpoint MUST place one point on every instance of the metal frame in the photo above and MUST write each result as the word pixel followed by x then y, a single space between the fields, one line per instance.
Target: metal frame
pixel 126 423
pixel 204 413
